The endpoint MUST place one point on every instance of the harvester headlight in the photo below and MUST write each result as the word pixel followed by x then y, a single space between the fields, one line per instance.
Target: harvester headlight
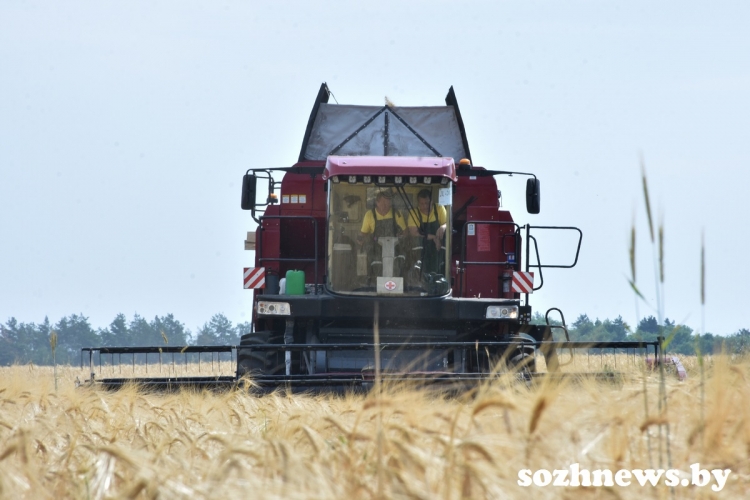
pixel 428 180
pixel 274 308
pixel 502 312
pixel 398 179
pixel 444 181
pixel 335 179
pixel 352 179
pixel 412 180
pixel 367 179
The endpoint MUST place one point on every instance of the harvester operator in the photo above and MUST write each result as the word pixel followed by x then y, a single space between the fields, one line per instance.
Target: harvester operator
pixel 428 222
pixel 380 223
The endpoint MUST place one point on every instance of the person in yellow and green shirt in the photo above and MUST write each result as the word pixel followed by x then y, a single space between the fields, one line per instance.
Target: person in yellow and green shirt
pixel 428 222
pixel 380 222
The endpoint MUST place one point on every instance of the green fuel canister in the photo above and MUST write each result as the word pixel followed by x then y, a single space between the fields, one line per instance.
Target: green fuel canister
pixel 295 282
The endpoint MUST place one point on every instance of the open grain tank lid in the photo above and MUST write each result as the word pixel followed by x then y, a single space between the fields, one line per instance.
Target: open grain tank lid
pixel 349 130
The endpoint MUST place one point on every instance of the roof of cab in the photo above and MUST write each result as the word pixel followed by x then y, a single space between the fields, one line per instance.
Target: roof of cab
pixel 390 165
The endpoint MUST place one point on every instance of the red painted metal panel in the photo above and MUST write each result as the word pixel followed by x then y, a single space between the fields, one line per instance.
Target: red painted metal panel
pixel 475 199
pixel 267 242
pixel 303 194
pixel 491 247
pixel 482 190
pixel 295 237
pixel 481 280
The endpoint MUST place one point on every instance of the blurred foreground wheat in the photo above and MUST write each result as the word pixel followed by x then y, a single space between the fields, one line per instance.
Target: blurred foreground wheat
pixel 82 443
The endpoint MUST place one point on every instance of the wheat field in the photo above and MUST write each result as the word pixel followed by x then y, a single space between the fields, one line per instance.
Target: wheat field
pixel 85 443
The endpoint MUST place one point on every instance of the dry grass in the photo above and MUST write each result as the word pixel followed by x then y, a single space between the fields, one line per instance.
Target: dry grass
pixel 81 443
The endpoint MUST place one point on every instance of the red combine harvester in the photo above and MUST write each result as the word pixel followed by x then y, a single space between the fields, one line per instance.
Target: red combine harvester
pixel 384 251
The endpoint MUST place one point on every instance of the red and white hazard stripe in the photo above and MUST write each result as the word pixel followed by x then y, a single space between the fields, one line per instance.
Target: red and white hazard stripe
pixel 255 277
pixel 523 282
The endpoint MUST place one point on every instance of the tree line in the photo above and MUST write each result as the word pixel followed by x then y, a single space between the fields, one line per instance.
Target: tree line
pixel 682 338
pixel 30 342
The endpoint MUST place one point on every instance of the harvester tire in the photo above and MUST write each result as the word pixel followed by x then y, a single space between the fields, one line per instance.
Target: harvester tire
pixel 523 363
pixel 252 362
pixel 521 360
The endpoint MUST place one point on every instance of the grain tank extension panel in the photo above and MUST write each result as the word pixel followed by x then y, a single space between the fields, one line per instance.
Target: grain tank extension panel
pixel 384 131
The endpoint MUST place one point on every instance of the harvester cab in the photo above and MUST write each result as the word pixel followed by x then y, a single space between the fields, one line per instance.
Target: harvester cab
pixel 383 253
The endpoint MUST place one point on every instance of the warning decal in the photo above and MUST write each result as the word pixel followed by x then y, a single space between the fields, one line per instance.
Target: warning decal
pixel 483 238
pixel 523 282
pixel 255 277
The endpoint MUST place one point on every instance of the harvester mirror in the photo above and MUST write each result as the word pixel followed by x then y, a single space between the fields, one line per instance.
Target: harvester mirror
pixel 248 191
pixel 532 195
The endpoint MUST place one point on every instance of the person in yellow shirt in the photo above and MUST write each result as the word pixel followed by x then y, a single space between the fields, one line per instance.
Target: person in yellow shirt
pixel 377 223
pixel 380 221
pixel 427 222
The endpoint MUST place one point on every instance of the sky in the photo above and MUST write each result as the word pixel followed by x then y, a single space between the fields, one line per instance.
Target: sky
pixel 125 129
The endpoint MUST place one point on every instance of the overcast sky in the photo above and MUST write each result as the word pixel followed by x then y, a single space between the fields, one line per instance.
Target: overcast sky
pixel 125 128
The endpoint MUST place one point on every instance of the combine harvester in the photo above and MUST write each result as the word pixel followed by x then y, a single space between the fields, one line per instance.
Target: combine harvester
pixel 384 252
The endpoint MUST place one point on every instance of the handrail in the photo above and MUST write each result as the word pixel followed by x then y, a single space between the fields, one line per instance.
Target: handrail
pixel 539 264
pixel 560 266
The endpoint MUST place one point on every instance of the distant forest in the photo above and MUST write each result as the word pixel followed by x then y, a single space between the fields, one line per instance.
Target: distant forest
pixel 30 342
pixel 682 339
